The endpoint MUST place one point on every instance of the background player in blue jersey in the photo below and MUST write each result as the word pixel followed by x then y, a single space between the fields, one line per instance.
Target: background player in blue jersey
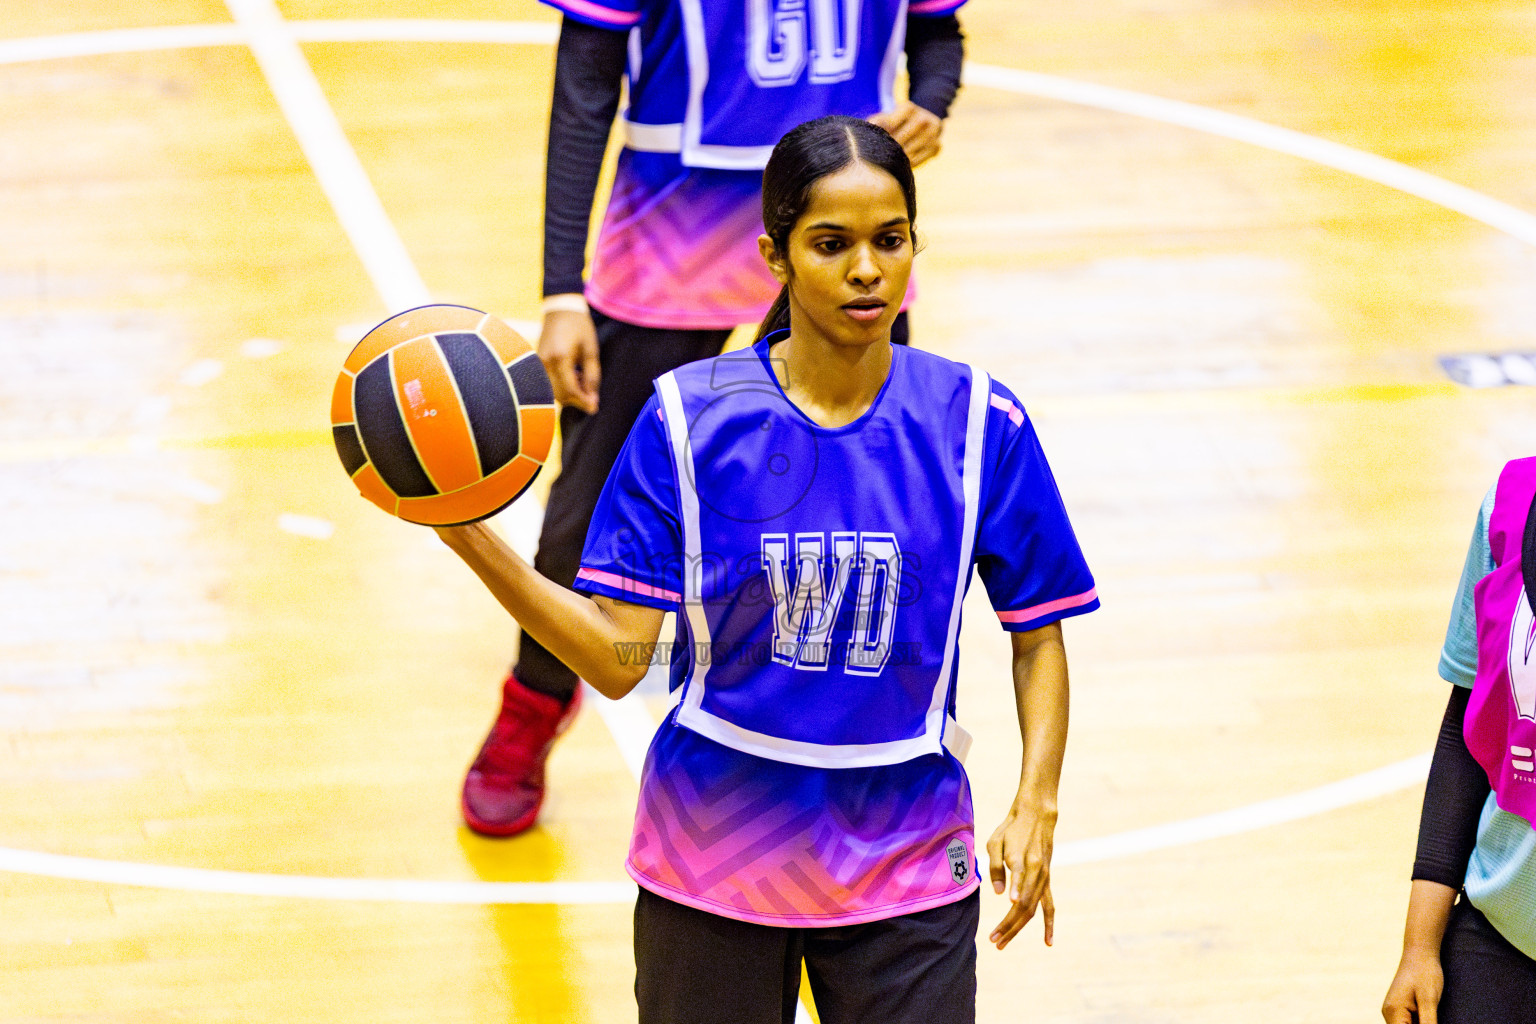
pixel 813 509
pixel 712 84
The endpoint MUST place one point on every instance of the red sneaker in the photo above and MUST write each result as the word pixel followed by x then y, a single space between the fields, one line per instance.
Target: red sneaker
pixel 505 785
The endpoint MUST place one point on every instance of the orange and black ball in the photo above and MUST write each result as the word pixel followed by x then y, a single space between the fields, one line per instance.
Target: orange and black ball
pixel 442 415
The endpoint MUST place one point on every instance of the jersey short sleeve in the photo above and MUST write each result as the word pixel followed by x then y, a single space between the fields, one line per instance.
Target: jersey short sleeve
pixel 1458 658
pixel 615 14
pixel 634 546
pixel 1026 551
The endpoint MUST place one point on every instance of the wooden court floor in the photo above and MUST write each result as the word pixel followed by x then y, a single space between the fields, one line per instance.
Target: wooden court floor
pixel 236 701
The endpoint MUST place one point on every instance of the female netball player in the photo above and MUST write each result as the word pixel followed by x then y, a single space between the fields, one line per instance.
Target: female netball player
pixel 711 85
pixel 813 508
pixel 1473 959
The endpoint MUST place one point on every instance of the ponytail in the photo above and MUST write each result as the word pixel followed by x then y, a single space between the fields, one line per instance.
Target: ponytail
pixel 777 318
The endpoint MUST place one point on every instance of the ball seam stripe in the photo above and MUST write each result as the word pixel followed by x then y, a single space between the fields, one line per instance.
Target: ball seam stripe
pixel 394 378
pixel 458 395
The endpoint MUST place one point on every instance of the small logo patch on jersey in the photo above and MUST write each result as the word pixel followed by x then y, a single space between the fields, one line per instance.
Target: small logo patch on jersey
pixel 959 861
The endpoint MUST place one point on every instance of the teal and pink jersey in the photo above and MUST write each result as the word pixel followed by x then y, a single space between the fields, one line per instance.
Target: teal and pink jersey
pixel 1500 725
pixel 713 85
pixel 808 774
pixel 1501 872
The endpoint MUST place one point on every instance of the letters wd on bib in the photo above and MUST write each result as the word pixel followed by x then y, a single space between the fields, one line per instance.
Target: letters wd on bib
pixel 713 85
pixel 807 775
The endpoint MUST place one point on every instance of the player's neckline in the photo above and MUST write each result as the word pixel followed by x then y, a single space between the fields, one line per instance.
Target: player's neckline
pixel 761 348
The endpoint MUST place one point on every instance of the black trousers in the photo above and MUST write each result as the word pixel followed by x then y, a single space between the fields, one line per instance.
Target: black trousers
pixel 1487 980
pixel 632 357
pixel 693 967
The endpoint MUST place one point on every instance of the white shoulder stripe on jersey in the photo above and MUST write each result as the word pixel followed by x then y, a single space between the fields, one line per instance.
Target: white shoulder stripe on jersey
pixel 895 51
pixel 688 507
pixel 975 445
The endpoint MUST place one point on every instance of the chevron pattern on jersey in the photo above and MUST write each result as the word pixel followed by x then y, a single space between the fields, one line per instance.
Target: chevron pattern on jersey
pixel 785 844
pixel 685 255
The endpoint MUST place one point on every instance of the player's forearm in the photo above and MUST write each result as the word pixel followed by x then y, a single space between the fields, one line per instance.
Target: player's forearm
pixel 1041 693
pixel 572 627
pixel 935 55
pixel 1429 911
pixel 589 71
pixel 1454 796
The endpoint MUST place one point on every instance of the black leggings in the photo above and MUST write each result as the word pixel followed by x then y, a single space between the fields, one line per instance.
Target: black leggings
pixel 693 967
pixel 1487 980
pixel 632 358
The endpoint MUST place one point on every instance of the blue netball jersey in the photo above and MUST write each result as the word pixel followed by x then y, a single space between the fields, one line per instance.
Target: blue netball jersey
pixel 805 775
pixel 713 84
pixel 720 81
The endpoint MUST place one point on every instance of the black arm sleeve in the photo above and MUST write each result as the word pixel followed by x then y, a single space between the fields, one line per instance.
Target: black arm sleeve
pixel 1453 802
pixel 589 71
pixel 935 51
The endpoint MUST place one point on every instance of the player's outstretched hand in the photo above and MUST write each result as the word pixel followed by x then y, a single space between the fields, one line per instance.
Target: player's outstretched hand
pixel 916 128
pixel 568 349
pixel 1019 857
pixel 1414 996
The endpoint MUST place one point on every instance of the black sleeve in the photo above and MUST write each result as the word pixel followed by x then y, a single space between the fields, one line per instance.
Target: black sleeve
pixel 589 71
pixel 935 51
pixel 1453 802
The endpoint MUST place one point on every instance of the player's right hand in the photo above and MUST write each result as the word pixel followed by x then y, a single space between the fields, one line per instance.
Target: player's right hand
pixel 568 349
pixel 1414 996
pixel 1019 859
pixel 916 129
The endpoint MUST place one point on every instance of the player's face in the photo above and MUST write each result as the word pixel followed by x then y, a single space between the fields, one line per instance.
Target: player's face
pixel 849 257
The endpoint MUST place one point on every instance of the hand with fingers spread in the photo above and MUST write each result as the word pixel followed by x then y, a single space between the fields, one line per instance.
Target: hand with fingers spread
pixel 1019 856
pixel 568 349
pixel 917 129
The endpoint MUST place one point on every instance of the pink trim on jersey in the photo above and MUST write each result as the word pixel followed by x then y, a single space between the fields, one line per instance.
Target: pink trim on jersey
pixel 1075 601
pixel 590 10
pixel 934 6
pixel 1014 412
pixel 608 579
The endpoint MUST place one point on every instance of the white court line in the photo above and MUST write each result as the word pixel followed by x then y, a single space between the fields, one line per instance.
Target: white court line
pixel 1330 797
pixel 1498 215
pixel 427 30
pixel 125 40
pixel 330 155
pixel 242 883
pixel 1353 790
pixel 180 37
